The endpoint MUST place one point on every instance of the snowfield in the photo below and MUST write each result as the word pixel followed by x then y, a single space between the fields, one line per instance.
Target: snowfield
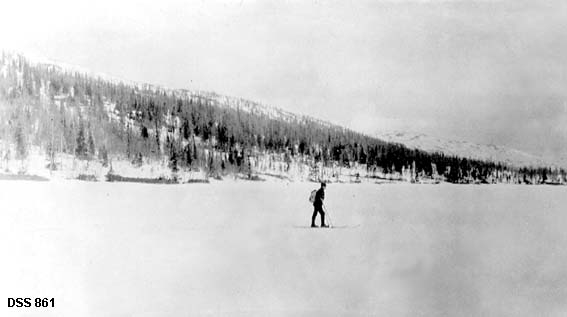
pixel 241 249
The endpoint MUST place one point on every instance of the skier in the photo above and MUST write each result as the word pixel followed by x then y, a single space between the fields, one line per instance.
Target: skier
pixel 318 206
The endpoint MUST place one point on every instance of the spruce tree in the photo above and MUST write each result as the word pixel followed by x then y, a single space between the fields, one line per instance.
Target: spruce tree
pixel 81 147
pixel 172 155
pixel 188 155
pixel 91 145
pixel 21 145
pixel 103 156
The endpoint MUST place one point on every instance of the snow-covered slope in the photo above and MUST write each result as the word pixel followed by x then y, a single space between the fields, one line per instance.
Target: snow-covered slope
pixel 212 97
pixel 412 140
pixel 35 59
pixel 465 149
pixel 257 108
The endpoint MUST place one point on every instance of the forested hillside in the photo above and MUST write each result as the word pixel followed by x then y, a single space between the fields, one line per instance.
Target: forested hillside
pixel 65 113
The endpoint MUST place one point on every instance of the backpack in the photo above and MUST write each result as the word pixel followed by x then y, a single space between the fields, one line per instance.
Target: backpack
pixel 312 196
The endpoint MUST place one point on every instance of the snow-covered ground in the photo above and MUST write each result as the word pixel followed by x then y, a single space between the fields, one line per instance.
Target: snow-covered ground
pixel 241 249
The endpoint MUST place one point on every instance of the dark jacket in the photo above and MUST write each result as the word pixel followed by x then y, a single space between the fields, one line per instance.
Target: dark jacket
pixel 319 197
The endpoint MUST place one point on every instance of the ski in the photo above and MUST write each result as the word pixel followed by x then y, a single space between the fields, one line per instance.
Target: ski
pixel 329 227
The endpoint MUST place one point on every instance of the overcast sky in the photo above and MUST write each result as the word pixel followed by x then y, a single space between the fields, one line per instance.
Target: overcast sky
pixel 484 71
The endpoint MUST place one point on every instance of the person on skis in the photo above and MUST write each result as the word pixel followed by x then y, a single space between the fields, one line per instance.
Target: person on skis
pixel 318 206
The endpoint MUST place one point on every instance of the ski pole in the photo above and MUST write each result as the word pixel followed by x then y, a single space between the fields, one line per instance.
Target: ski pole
pixel 328 216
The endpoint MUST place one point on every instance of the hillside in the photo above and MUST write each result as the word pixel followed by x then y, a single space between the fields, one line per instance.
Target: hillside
pixel 485 152
pixel 68 121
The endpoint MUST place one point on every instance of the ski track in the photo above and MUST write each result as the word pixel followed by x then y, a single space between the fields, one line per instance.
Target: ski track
pixel 231 248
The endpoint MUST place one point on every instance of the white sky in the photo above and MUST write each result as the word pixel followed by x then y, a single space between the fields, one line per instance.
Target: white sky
pixel 485 71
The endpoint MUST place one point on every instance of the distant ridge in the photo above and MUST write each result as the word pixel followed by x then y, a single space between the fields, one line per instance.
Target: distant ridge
pixel 487 152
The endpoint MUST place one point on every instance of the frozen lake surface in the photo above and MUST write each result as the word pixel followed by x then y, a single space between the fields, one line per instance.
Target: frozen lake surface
pixel 240 249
